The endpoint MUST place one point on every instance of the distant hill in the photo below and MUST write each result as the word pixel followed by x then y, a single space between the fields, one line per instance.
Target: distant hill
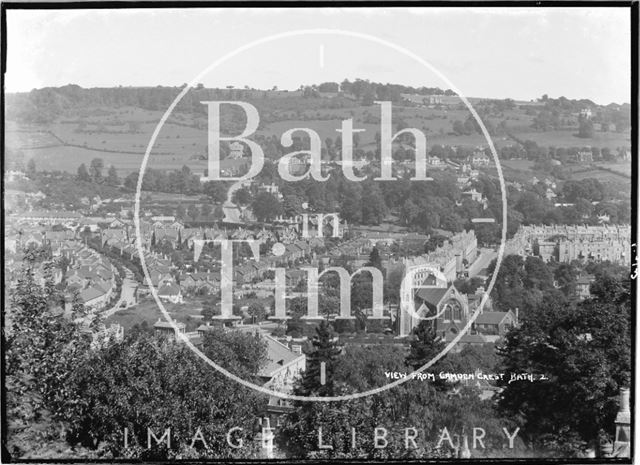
pixel 62 127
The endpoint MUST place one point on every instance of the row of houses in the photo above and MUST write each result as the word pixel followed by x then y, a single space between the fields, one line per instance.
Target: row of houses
pixel 85 271
pixel 90 274
pixel 564 243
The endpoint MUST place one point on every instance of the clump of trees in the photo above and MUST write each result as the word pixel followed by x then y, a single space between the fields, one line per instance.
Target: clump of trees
pixel 62 391
pixel 181 181
pixel 584 349
pixel 425 406
pixel 95 173
pixel 585 128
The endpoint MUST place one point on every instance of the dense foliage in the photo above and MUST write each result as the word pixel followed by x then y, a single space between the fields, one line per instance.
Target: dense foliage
pixel 585 351
pixel 65 391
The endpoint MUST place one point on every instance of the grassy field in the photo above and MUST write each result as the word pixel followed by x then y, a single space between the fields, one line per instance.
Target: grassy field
pixel 69 158
pixel 108 132
pixel 521 165
pixel 24 138
pixel 569 139
pixel 623 168
pixel 522 171
pixel 147 310
pixel 620 179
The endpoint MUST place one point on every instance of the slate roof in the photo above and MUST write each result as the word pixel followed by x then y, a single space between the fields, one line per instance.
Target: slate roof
pixel 432 295
pixel 167 325
pixel 585 279
pixel 49 214
pixel 168 233
pixel 491 318
pixel 468 338
pixel 208 327
pixel 91 293
pixel 278 355
pixel 59 235
pixel 103 284
pixel 169 289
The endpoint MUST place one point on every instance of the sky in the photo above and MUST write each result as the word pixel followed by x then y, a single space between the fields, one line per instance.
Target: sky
pixel 519 53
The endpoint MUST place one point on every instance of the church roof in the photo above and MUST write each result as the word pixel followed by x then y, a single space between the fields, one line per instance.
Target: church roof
pixel 432 295
pixel 491 318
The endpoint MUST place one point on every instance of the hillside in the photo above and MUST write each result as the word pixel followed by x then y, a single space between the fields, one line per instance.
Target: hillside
pixel 62 127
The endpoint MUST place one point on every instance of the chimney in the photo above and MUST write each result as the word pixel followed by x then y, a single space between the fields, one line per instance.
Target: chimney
pixel 465 453
pixel 622 444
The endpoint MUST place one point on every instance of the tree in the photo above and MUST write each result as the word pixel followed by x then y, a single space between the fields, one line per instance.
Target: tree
pixel 356 140
pixel 473 357
pixel 205 210
pixel 215 190
pixel 83 174
pixel 585 352
pixel 537 274
pixel 607 154
pixel 532 207
pixel 589 189
pixel 181 212
pixel 361 297
pixel 508 290
pixel 409 212
pixel 130 181
pixel 585 129
pixel 256 312
pixel 374 258
pixel 179 391
pixel 95 169
pixel 292 205
pixel 329 87
pixel 266 207
pixel 351 202
pixel 468 286
pixel 374 209
pixel 42 347
pixel 392 285
pixel 329 305
pixel 583 207
pixel 406 406
pixel 112 176
pixel 325 351
pixel 368 98
pixel 413 404
pixel 566 275
pixel 192 212
pixel 209 310
pixel 31 168
pixel 459 128
pixel 242 196
pixel 241 352
pixel 218 213
pixel 424 346
pixel 435 241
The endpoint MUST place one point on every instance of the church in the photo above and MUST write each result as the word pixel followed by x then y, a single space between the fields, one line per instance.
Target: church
pixel 450 311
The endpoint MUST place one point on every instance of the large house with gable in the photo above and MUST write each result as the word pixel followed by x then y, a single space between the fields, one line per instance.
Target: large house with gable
pixel 450 313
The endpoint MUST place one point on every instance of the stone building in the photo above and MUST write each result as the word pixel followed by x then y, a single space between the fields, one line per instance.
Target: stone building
pixel 565 243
